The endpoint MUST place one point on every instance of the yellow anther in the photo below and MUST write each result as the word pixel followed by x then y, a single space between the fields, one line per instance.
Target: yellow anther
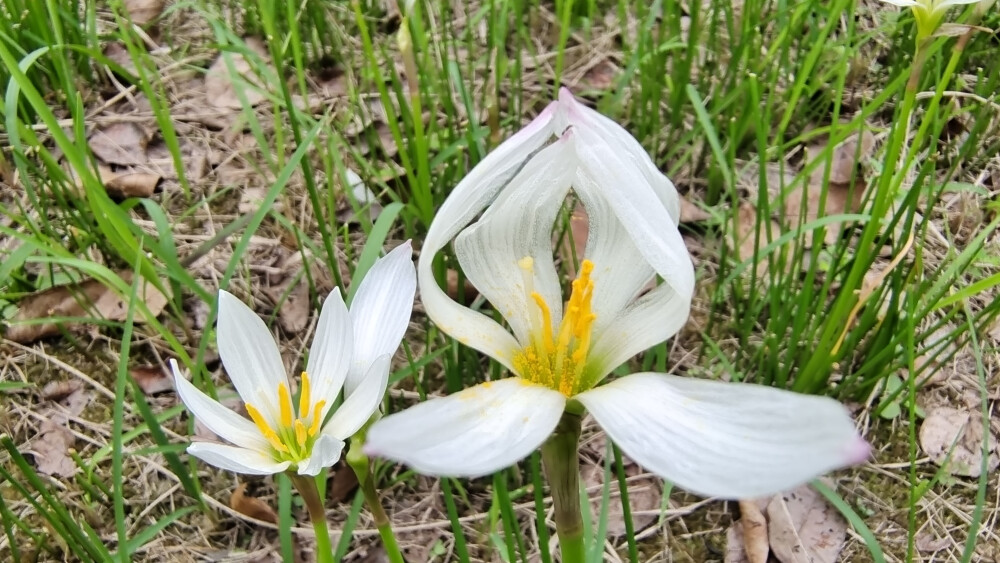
pixel 285 405
pixel 304 399
pixel 300 433
pixel 269 434
pixel 317 418
pixel 527 263
pixel 546 321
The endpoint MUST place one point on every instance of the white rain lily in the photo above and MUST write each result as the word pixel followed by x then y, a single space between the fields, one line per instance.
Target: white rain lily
pixel 928 13
pixel 710 437
pixel 352 350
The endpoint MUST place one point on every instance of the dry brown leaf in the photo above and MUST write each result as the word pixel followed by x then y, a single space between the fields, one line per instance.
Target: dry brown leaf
pixel 220 88
pixel 845 183
pixel 804 528
pixel 59 391
pixel 747 238
pixel 754 528
pixel 602 75
pixel 144 11
pixel 344 482
pixel 152 379
pixel 691 213
pixel 469 291
pixel 926 542
pixel 251 506
pixel 121 143
pixel 89 298
pixel 51 450
pixel 131 184
pixel 644 495
pixel 945 426
pixel 293 314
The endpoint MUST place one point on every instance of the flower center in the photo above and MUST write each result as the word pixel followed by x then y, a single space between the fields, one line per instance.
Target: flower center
pixel 293 439
pixel 556 359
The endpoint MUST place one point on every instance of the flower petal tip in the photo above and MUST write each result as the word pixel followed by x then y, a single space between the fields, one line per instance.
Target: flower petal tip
pixel 859 451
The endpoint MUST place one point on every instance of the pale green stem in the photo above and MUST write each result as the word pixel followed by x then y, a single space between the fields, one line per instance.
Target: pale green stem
pixel 361 465
pixel 562 469
pixel 317 514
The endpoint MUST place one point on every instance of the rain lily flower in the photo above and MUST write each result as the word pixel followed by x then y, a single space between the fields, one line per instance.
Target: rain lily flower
pixel 928 13
pixel 352 350
pixel 710 437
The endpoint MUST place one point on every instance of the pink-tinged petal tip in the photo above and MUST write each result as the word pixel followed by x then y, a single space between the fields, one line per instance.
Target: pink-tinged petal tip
pixel 859 452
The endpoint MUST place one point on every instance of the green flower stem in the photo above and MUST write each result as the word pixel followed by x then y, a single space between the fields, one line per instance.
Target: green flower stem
pixel 361 465
pixel 562 468
pixel 317 514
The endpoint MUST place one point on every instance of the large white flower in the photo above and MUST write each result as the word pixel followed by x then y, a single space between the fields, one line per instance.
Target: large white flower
pixel 714 438
pixel 351 350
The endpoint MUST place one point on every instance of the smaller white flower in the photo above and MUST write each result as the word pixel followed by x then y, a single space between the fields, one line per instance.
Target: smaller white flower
pixel 928 13
pixel 352 350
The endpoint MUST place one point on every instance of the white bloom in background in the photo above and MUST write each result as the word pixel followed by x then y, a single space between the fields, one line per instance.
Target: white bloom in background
pixel 710 437
pixel 929 13
pixel 351 350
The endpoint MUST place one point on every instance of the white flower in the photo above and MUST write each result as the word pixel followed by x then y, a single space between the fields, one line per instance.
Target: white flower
pixel 713 438
pixel 351 350
pixel 928 13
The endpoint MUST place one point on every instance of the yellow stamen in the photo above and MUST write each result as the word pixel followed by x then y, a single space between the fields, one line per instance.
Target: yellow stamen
pixel 300 433
pixel 317 418
pixel 269 434
pixel 557 359
pixel 285 405
pixel 304 399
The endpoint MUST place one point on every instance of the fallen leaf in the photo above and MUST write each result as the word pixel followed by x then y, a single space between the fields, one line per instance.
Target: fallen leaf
pixel 754 528
pixel 344 482
pixel 221 87
pixel 602 75
pixel 152 379
pixel 51 450
pixel 251 506
pixel 131 184
pixel 58 391
pixel 691 213
pixel 294 305
pixel 747 238
pixel 844 192
pixel 144 11
pixel 927 543
pixel 469 291
pixel 947 426
pixel 804 528
pixel 122 143
pixel 89 298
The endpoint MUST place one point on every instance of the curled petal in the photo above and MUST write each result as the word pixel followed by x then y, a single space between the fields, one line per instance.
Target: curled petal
pixel 517 225
pixel 471 433
pixel 330 355
pixel 233 458
pixel 223 422
pixel 362 403
pixel 619 141
pixel 477 190
pixel 721 439
pixel 325 453
pixel 381 310
pixel 250 355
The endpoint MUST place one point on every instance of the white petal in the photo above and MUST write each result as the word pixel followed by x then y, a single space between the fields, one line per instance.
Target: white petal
pixel 519 224
pixel 381 310
pixel 471 433
pixel 904 3
pixel 240 460
pixel 721 439
pixel 626 146
pixel 646 322
pixel 638 208
pixel 362 403
pixel 948 3
pixel 250 355
pixel 331 352
pixel 620 271
pixel 325 453
pixel 466 201
pixel 223 422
